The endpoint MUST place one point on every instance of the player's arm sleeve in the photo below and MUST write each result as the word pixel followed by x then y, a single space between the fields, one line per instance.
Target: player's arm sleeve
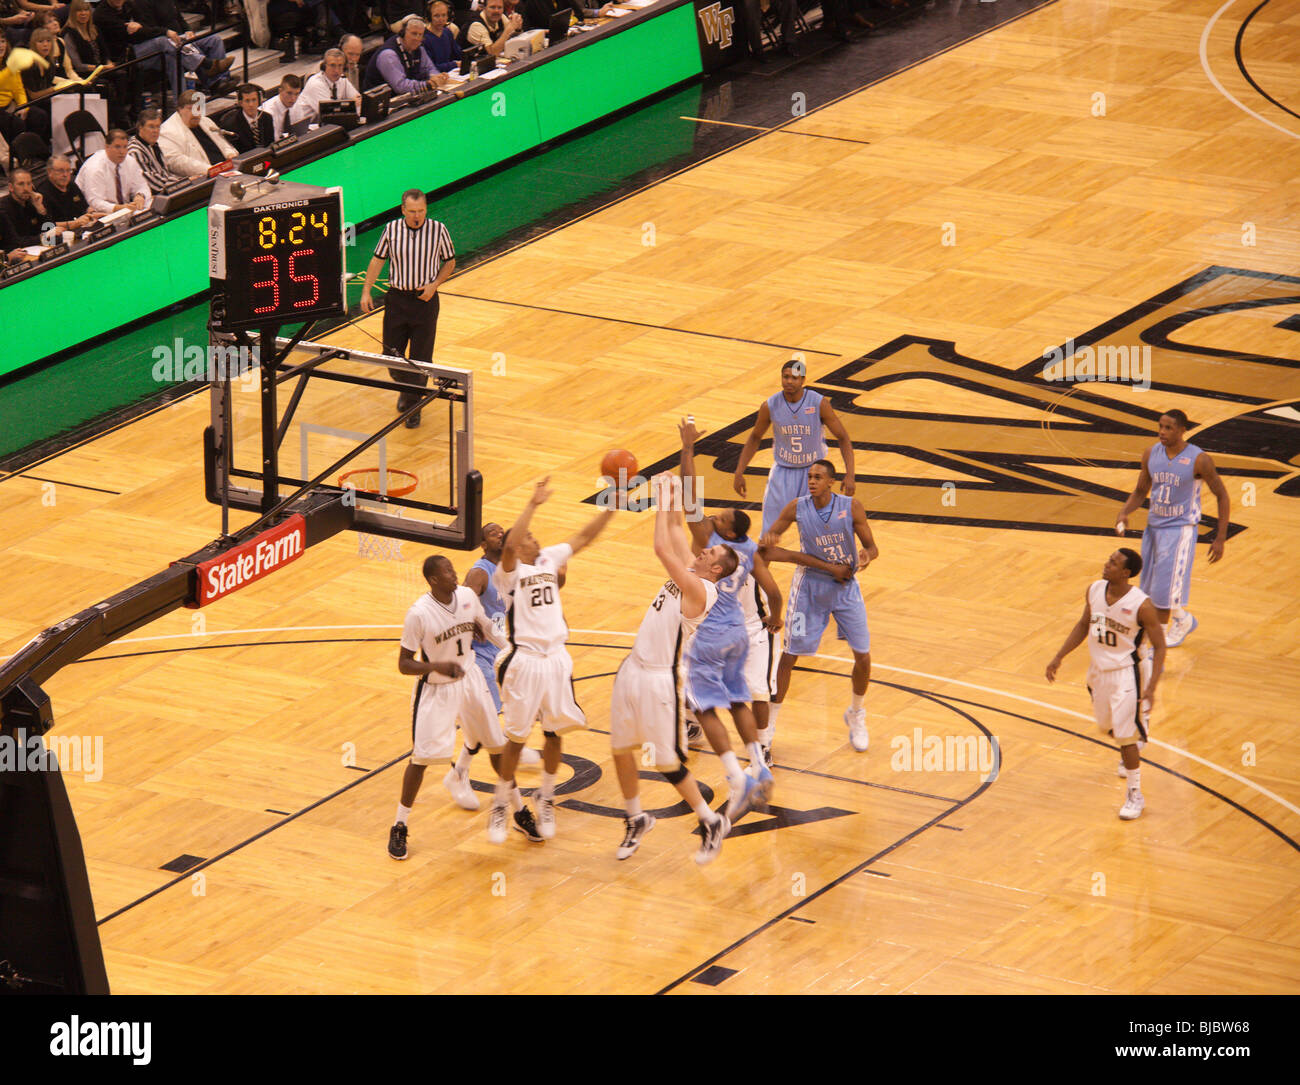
pixel 560 553
pixel 411 631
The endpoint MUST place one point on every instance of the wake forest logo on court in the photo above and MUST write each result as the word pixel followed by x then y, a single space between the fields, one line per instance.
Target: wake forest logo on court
pixel 944 438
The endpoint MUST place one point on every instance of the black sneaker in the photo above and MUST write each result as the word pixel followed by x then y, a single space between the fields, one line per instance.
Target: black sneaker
pixel 397 841
pixel 714 833
pixel 413 422
pixel 767 755
pixel 525 824
pixel 637 827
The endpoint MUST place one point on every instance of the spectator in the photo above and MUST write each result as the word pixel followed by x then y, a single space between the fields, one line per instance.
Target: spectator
pixel 440 44
pixel 154 46
pixel 16 117
pixel 538 13
pixel 283 109
pixel 352 47
pixel 65 203
pixel 489 29
pixel 86 52
pixel 17 21
pixel 59 53
pixel 111 178
pixel 250 127
pixel 402 64
pixel 192 143
pixel 214 64
pixel 328 85
pixel 306 19
pixel 147 152
pixel 10 250
pixel 24 208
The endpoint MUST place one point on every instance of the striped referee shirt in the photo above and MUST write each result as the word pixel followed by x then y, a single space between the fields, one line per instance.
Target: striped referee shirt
pixel 417 255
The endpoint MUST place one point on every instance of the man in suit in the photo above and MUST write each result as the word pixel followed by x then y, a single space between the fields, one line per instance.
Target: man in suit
pixel 145 149
pixel 191 143
pixel 328 85
pixel 250 127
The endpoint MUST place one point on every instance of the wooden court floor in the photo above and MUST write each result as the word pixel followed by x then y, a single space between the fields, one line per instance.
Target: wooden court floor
pixel 923 242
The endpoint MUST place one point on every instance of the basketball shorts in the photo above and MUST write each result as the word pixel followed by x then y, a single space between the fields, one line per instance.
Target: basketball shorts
pixel 784 484
pixel 760 663
pixel 536 687
pixel 1167 554
pixel 487 664
pixel 643 712
pixel 813 599
pixel 715 670
pixel 1115 704
pixel 435 708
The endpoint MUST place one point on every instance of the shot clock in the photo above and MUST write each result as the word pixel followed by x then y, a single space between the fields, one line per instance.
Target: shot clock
pixel 275 253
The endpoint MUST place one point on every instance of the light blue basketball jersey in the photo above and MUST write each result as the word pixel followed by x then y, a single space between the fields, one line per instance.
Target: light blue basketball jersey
pixel 1175 489
pixel 493 606
pixel 729 588
pixel 827 533
pixel 797 439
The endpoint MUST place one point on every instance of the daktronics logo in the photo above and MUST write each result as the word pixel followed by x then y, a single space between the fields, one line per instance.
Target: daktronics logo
pixel 250 561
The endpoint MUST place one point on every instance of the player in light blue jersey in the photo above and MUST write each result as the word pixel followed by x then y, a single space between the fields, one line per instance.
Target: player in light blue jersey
pixel 796 416
pixel 1172 471
pixel 825 584
pixel 737 596
pixel 479 581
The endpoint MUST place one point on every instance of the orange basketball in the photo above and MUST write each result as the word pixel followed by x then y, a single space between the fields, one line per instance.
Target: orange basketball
pixel 620 460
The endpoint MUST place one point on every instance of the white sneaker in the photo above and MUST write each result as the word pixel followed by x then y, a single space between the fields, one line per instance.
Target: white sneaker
pixel 1133 806
pixel 857 724
pixel 1180 629
pixel 497 824
pixel 458 785
pixel 529 756
pixel 546 816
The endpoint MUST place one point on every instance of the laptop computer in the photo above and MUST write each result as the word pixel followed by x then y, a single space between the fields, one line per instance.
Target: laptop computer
pixel 301 128
pixel 558 29
pixel 375 103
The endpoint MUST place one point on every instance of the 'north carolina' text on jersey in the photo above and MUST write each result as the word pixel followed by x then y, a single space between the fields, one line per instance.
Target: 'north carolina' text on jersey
pixel 797 439
pixel 1175 489
pixel 827 533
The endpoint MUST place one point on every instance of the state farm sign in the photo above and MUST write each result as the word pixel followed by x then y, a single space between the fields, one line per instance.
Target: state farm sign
pixel 250 561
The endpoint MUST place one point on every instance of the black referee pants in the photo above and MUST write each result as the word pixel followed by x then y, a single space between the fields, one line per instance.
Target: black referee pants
pixel 409 322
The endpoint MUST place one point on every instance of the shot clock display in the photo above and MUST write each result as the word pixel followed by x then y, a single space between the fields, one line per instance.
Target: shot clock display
pixel 279 259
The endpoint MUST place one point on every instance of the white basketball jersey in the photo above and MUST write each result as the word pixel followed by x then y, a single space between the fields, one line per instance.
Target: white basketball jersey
pixel 443 633
pixel 664 633
pixel 534 617
pixel 1115 632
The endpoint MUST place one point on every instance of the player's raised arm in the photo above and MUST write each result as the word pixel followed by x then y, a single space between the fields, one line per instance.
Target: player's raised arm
pixel 1077 636
pixel 832 422
pixel 862 529
pixel 1156 635
pixel 767 582
pixel 672 549
pixel 696 523
pixel 779 528
pixel 798 557
pixel 1205 469
pixel 1138 495
pixel 540 495
pixel 587 535
pixel 747 453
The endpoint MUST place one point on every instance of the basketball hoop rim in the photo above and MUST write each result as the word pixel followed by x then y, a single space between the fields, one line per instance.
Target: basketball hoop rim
pixel 400 491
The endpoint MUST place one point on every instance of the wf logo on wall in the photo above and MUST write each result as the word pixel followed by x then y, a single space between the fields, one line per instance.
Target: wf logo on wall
pixel 717 22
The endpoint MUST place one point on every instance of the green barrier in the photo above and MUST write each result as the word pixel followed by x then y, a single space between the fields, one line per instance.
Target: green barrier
pixel 141 274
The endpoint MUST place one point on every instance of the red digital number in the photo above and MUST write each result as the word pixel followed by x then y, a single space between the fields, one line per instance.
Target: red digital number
pixel 315 282
pixel 272 282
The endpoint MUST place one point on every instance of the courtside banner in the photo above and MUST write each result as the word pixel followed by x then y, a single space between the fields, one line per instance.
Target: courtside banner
pixel 250 561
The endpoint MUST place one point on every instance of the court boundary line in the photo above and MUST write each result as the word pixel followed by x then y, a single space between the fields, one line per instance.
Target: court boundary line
pixel 1214 79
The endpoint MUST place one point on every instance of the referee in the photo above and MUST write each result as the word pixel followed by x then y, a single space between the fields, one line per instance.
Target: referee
pixel 423 258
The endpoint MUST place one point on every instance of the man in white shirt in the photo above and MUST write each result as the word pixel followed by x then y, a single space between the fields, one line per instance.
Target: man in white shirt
pixel 191 144
pixel 284 109
pixel 328 85
pixel 111 179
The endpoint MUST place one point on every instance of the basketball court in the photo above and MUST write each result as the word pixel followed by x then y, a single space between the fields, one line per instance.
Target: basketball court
pixel 1116 178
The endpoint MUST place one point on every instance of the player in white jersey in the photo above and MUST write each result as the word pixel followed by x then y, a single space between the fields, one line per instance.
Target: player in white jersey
pixel 535 671
pixel 643 712
pixel 762 624
pixel 1116 619
pixel 441 626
